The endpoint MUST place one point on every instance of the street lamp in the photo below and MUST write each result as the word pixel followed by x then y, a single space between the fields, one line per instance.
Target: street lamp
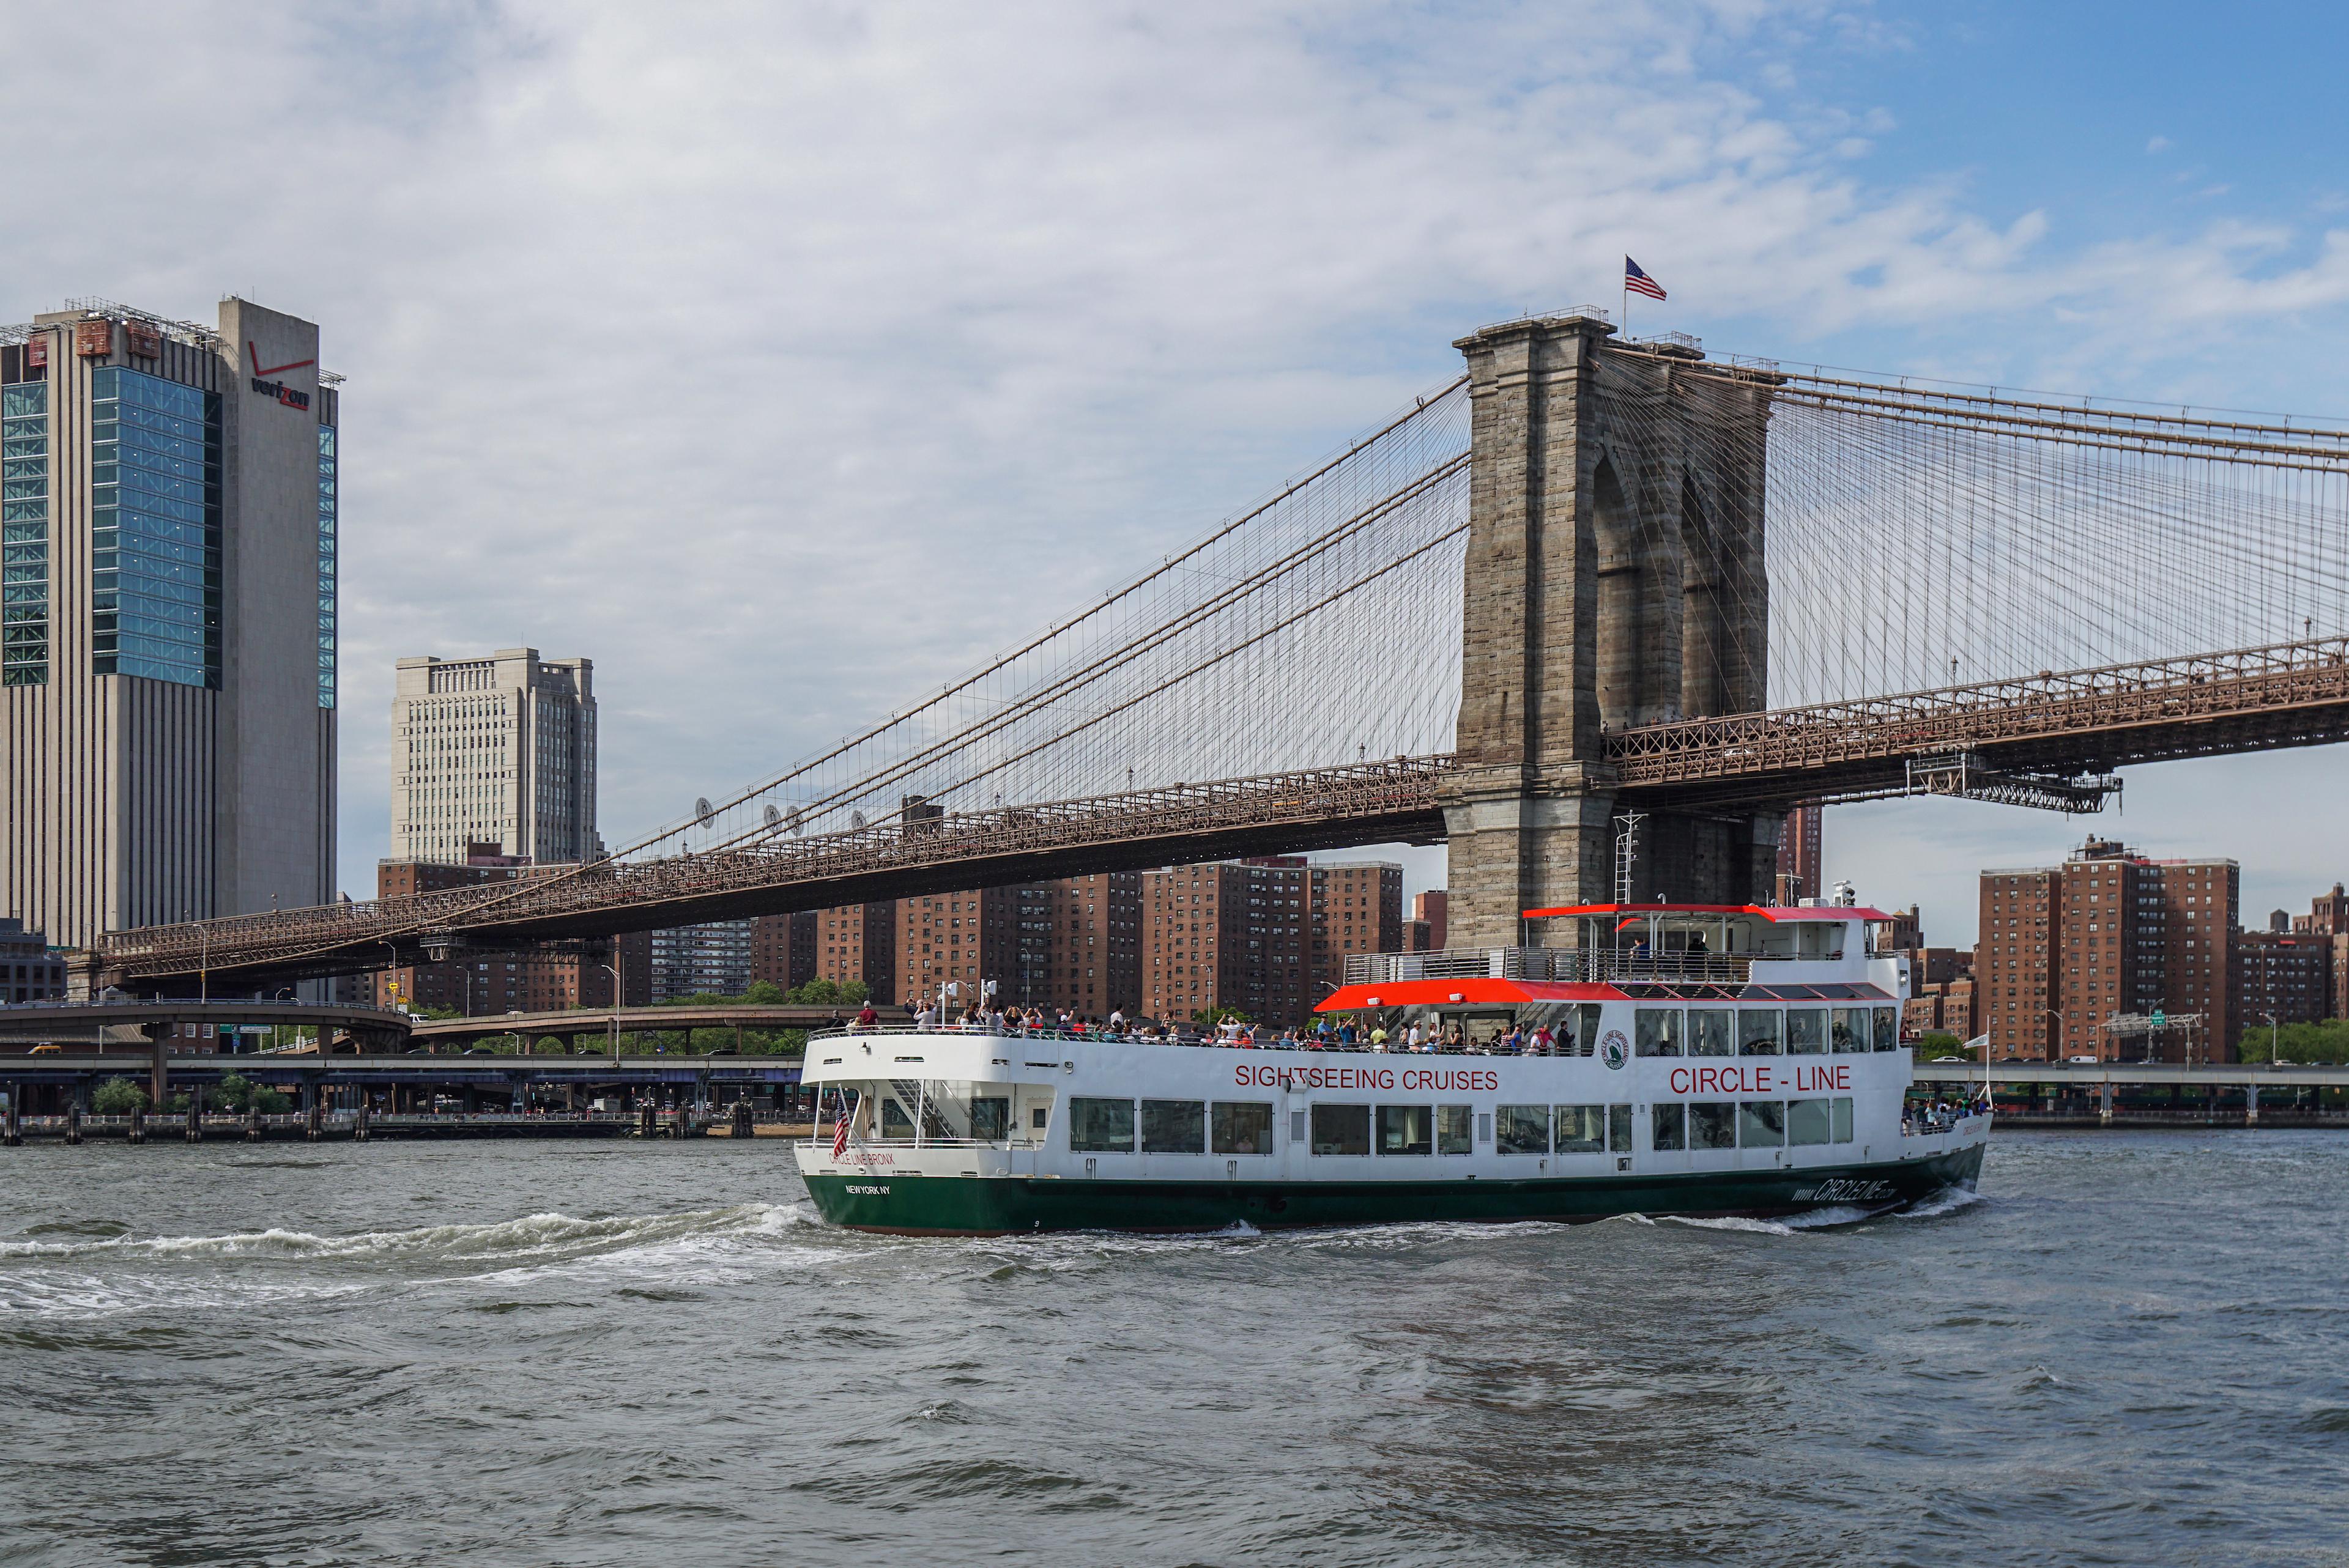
pixel 2272 1031
pixel 618 999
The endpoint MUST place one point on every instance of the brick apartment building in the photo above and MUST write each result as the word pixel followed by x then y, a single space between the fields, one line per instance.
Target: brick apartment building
pixel 542 978
pixel 1802 859
pixel 782 949
pixel 858 941
pixel 1268 938
pixel 2109 933
pixel 2328 917
pixel 1072 943
pixel 2284 977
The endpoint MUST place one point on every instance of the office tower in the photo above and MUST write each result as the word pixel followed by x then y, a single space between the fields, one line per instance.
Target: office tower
pixel 168 499
pixel 495 750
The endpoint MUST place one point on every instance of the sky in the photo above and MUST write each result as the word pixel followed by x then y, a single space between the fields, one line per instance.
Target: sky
pixel 788 359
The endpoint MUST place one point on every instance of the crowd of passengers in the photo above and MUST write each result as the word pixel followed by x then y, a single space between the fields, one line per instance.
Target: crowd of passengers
pixel 1326 1035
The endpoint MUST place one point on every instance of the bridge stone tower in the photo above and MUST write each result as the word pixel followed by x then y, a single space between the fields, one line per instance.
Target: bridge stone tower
pixel 1614 577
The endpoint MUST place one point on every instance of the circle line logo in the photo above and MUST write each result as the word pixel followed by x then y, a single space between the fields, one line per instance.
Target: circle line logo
pixel 1613 1049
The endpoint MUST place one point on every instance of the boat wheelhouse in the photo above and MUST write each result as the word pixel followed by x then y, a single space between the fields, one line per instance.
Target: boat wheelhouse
pixel 1699 1060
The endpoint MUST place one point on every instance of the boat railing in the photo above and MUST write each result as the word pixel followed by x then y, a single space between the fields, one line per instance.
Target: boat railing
pixel 1591 965
pixel 823 1139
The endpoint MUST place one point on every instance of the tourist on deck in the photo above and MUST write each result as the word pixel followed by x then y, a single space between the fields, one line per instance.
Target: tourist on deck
pixel 866 1019
pixel 1542 1043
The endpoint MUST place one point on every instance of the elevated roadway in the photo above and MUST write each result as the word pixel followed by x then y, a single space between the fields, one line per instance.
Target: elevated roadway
pixel 585 1024
pixel 71 1023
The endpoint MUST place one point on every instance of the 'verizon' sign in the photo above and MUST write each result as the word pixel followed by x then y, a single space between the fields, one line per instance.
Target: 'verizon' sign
pixel 288 395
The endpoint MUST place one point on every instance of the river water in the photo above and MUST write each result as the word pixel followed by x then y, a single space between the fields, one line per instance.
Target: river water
pixel 2128 1349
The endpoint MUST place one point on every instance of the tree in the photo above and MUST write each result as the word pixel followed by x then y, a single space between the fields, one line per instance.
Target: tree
pixel 2324 1042
pixel 831 994
pixel 236 1092
pixel 117 1097
pixel 763 994
pixel 1934 1043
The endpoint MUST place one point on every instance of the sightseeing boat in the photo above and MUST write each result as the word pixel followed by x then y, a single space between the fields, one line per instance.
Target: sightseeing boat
pixel 1707 1061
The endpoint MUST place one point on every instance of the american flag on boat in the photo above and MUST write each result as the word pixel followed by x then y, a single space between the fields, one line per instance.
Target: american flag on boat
pixel 1638 282
pixel 840 1132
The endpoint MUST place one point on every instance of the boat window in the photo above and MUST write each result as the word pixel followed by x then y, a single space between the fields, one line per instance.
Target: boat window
pixel 1341 1130
pixel 1658 1030
pixel 1762 1124
pixel 1849 1028
pixel 1455 1130
pixel 895 1122
pixel 1843 1118
pixel 1888 1028
pixel 1760 1031
pixel 1484 1127
pixel 1038 1116
pixel 1618 1129
pixel 1709 1032
pixel 1522 1129
pixel 1807 1122
pixel 1406 1130
pixel 1174 1126
pixel 1243 1127
pixel 1101 1125
pixel 1581 1033
pixel 1669 1127
pixel 990 1118
pixel 1582 1129
pixel 1806 1031
pixel 1713 1124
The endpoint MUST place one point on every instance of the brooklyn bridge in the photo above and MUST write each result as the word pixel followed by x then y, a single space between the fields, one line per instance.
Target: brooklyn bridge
pixel 1590 583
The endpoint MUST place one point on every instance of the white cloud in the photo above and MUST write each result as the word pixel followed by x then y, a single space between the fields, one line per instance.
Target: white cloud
pixel 787 359
pixel 2158 144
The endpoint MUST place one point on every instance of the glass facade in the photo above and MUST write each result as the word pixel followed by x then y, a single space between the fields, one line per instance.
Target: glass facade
pixel 325 566
pixel 24 533
pixel 155 527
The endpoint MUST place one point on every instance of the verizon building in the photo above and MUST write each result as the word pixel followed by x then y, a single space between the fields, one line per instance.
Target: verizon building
pixel 167 617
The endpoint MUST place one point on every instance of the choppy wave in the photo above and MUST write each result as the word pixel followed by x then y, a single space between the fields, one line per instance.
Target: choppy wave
pixel 502 1238
pixel 277 1266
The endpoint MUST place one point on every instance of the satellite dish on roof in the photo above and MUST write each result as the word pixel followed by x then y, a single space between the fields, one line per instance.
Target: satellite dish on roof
pixel 701 810
pixel 772 815
pixel 856 819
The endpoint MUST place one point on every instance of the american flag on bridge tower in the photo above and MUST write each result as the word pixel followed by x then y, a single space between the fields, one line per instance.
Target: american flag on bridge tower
pixel 1638 282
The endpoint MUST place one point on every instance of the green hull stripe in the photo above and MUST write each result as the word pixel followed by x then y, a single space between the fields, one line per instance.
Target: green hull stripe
pixel 971 1205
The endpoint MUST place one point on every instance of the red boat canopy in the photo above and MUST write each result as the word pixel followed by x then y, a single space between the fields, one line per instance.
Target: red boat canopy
pixel 1479 992
pixel 1772 913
